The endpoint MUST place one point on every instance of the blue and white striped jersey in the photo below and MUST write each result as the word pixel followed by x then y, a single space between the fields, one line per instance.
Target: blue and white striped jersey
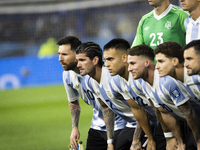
pixel 111 98
pixel 73 87
pixel 192 84
pixel 192 29
pixel 167 93
pixel 129 90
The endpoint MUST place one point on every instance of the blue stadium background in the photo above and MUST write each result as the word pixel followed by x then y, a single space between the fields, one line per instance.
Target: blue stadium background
pixel 22 35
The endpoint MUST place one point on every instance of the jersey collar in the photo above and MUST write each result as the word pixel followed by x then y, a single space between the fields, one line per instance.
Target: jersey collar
pixel 194 22
pixel 163 14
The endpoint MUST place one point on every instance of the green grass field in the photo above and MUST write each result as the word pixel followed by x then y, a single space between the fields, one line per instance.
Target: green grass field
pixel 38 119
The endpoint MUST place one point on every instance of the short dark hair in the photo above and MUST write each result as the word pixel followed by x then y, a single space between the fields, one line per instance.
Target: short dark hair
pixel 118 44
pixel 195 44
pixel 91 50
pixel 143 50
pixel 72 40
pixel 170 49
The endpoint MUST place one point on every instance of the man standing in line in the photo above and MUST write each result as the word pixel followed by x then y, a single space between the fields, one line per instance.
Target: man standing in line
pixel 164 23
pixel 72 81
pixel 192 23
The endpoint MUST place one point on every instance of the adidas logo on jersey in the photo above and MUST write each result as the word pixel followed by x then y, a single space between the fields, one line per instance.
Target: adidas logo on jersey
pixel 168 25
pixel 76 86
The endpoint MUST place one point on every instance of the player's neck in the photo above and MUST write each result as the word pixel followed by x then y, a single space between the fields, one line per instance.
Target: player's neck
pixel 125 73
pixel 76 70
pixel 160 9
pixel 195 14
pixel 179 73
pixel 150 75
pixel 96 74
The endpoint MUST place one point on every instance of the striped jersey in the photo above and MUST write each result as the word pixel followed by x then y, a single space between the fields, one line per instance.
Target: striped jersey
pixel 169 26
pixel 111 98
pixel 192 84
pixel 192 29
pixel 73 87
pixel 167 93
pixel 129 90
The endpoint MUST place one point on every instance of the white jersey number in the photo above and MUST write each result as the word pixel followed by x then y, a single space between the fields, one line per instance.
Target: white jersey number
pixel 153 36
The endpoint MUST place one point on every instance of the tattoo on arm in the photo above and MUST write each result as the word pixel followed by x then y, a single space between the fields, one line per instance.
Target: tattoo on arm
pixel 137 136
pixel 109 118
pixel 75 112
pixel 138 132
pixel 192 119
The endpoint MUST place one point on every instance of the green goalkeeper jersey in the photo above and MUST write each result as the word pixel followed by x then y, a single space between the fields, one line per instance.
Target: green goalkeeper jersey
pixel 169 26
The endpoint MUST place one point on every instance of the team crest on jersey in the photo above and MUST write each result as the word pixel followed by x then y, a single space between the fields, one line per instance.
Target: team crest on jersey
pixel 168 25
pixel 184 90
pixel 152 98
pixel 98 93
pixel 109 94
pixel 189 32
pixel 162 98
pixel 176 93
pixel 76 86
pixel 195 92
pixel 135 90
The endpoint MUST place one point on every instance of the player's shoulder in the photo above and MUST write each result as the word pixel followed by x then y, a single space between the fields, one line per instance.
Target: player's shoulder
pixel 86 79
pixel 146 16
pixel 166 79
pixel 177 10
pixel 187 20
pixel 69 73
pixel 90 82
pixel 168 82
pixel 70 76
pixel 118 81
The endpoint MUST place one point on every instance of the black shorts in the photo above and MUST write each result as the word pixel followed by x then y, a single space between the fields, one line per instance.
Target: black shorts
pixel 97 140
pixel 125 138
pixel 159 138
pixel 187 136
